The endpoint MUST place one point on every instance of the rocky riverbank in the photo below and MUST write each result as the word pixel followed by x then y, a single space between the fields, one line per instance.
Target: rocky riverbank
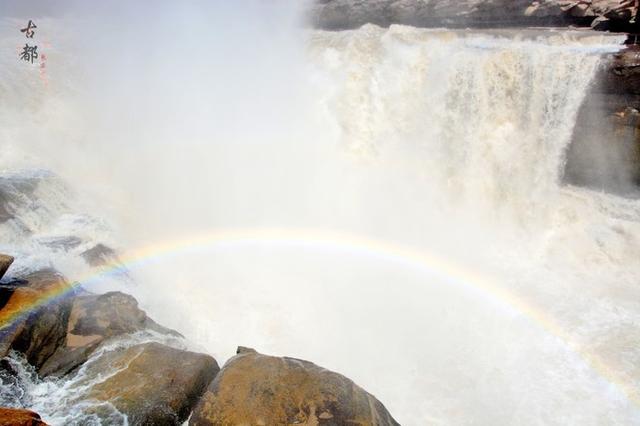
pixel 617 15
pixel 69 334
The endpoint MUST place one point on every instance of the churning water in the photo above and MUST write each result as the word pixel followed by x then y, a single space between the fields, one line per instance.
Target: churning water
pixel 384 202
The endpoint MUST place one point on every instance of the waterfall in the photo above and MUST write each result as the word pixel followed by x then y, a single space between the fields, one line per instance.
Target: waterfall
pixel 490 115
pixel 352 169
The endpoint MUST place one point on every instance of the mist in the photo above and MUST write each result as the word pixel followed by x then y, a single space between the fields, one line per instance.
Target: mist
pixel 182 119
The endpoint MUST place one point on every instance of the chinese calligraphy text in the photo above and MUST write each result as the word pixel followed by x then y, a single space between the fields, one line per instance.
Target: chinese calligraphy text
pixel 28 32
pixel 29 53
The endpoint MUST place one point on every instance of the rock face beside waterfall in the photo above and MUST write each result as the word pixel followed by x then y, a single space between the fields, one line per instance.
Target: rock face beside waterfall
pixel 92 343
pixel 605 150
pixel 256 389
pixel 602 14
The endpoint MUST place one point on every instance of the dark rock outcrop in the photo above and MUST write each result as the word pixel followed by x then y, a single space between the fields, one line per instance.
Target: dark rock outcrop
pixel 19 417
pixel 155 384
pixel 100 255
pixel 5 262
pixel 32 328
pixel 605 149
pixel 6 289
pixel 59 335
pixel 94 319
pixel 256 389
pixel 149 383
pixel 615 15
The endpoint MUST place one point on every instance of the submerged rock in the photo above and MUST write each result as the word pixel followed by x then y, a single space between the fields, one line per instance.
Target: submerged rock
pixel 19 417
pixel 154 384
pixel 256 389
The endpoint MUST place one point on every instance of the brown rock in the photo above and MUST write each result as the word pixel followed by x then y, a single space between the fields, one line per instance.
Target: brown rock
pixel 255 389
pixel 155 384
pixel 60 335
pixel 93 319
pixel 33 328
pixel 5 262
pixel 19 417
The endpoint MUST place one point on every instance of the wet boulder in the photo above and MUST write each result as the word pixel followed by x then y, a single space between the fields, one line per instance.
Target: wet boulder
pixel 34 319
pixel 19 417
pixel 100 255
pixel 58 326
pixel 154 384
pixel 93 320
pixel 5 262
pixel 256 389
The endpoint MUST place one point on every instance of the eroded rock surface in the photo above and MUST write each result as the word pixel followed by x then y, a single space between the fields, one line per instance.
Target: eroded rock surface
pixel 256 389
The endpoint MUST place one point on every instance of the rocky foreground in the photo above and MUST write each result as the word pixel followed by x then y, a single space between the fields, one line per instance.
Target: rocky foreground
pixel 618 15
pixel 155 384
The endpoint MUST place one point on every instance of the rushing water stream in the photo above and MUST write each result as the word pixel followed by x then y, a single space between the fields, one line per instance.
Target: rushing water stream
pixel 384 202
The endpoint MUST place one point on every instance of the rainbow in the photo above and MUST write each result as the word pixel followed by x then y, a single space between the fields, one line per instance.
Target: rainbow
pixel 20 308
